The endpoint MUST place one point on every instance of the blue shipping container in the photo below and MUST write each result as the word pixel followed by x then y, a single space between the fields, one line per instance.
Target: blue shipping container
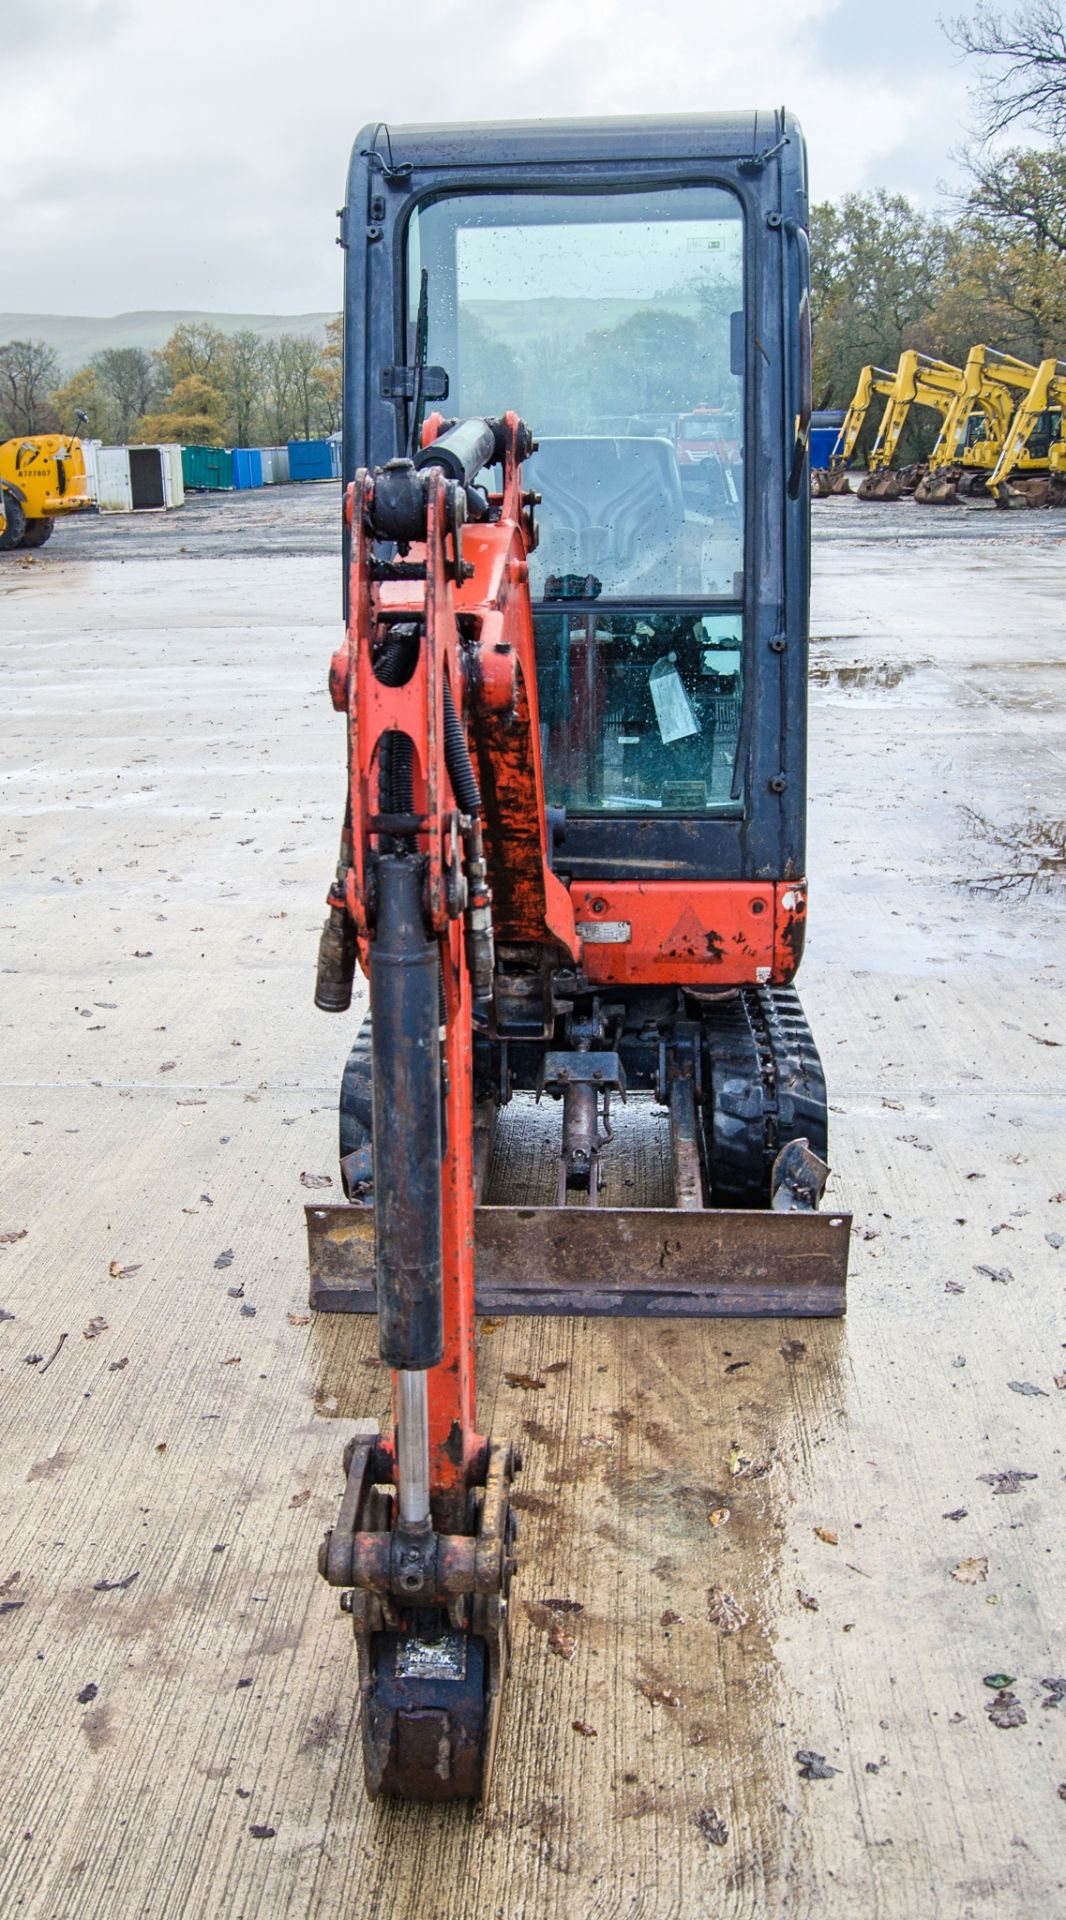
pixel 825 432
pixel 310 460
pixel 247 467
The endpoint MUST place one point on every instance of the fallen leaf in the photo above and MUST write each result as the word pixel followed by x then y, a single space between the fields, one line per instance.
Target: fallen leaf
pixel 298 1319
pixel 262 1833
pixel 1056 1691
pixel 712 1826
pixel 814 1766
pixel 88 1693
pixel 315 1180
pixel 952 1286
pixel 233 1361
pixel 564 1606
pixel 116 1366
pixel 1060 1382
pixel 724 1612
pixel 827 1535
pixel 559 1641
pixel 957 1513
pixel 671 1619
pixel 9 1238
pixel 119 1272
pixel 1008 1481
pixel 997 1681
pixel 115 1586
pixel 718 1516
pixel 96 1326
pixel 225 1259
pixel 582 1727
pixel 969 1573
pixel 1026 1386
pixel 168 1066
pixel 1006 1710
pixel 527 1381
pixel 807 1600
pixel 491 1326
pixel 658 1694
pixel 298 1499
pixel 1054 1240
pixel 161 1446
pixel 1002 1274
pixel 14 1578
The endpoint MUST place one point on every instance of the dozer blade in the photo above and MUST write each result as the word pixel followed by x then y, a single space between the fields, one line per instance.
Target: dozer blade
pixel 623 1261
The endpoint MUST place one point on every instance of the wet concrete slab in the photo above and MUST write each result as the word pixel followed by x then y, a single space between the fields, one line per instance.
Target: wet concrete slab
pixel 178 1687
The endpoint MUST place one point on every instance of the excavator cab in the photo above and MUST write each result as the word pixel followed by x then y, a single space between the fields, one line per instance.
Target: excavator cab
pixel 572 862
pixel 595 276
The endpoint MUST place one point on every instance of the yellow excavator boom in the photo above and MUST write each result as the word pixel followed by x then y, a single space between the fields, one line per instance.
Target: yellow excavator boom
pixel 871 380
pixel 919 381
pixel 977 425
pixel 1046 395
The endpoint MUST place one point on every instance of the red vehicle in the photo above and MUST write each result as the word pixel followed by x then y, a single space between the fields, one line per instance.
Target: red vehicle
pixel 706 433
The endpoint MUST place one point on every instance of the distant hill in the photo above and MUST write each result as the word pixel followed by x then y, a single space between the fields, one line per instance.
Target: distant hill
pixel 76 337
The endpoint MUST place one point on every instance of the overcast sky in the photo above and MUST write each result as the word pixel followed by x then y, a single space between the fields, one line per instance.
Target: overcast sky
pixel 191 153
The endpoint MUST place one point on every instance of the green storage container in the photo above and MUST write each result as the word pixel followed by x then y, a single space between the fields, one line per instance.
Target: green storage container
pixel 207 469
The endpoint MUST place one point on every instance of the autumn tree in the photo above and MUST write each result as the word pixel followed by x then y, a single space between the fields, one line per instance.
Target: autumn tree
pixel 194 415
pixel 877 266
pixel 329 373
pixel 83 393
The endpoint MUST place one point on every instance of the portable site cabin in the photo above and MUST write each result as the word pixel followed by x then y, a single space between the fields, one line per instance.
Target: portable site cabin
pixel 139 479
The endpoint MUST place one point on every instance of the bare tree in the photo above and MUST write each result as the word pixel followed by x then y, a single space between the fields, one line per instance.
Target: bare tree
pixel 1026 54
pixel 29 370
pixel 244 383
pixel 129 377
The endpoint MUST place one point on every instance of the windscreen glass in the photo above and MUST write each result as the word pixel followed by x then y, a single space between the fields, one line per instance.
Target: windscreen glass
pixel 613 323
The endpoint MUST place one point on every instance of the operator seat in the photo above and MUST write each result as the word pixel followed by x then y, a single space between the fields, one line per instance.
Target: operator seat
pixel 610 505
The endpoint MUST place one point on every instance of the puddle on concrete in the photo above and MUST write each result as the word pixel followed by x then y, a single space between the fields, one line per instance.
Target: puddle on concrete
pixel 884 674
pixel 1022 857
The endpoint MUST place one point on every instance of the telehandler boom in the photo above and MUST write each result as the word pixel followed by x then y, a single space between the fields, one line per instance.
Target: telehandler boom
pixel 573 854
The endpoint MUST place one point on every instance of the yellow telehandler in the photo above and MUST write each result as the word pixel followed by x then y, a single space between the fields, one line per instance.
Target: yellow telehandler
pixel 42 476
pixel 1037 435
pixel 920 381
pixel 833 479
pixel 976 428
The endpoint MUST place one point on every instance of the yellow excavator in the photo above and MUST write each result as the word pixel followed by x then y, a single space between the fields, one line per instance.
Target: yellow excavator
pixel 42 477
pixel 920 381
pixel 1037 436
pixel 976 429
pixel 833 479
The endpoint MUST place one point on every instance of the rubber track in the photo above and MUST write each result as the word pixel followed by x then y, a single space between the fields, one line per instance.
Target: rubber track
pixel 766 1087
pixel 355 1114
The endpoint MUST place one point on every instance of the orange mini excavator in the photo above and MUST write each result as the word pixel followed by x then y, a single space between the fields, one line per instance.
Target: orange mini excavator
pixel 572 864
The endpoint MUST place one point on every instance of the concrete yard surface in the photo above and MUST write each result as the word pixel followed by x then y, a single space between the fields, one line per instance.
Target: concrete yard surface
pixel 741 1543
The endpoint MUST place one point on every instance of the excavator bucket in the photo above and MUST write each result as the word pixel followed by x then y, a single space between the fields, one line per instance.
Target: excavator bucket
pixel 883 485
pixel 938 489
pixel 839 483
pixel 821 483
